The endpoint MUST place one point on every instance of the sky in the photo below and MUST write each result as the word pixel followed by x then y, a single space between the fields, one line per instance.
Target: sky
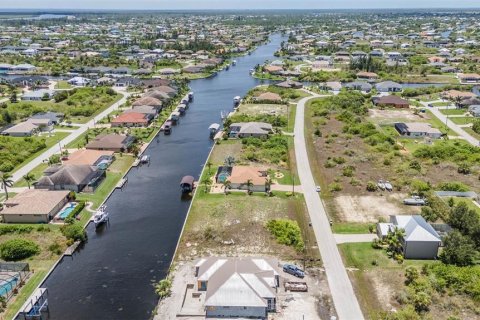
pixel 233 4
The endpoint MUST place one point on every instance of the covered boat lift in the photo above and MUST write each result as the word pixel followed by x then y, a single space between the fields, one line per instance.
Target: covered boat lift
pixel 187 184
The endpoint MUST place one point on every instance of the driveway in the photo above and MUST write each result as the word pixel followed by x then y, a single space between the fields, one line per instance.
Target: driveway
pixel 344 298
pixel 354 238
pixel 75 134
pixel 443 118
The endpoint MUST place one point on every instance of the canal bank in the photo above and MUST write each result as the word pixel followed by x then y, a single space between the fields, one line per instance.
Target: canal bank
pixel 112 276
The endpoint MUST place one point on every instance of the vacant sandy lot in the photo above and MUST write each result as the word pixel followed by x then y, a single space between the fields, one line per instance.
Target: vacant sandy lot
pixel 388 116
pixel 256 109
pixel 370 208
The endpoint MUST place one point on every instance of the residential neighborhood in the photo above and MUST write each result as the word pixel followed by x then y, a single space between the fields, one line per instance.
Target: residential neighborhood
pixel 209 163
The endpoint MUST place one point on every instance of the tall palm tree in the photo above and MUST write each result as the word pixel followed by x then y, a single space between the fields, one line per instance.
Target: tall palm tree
pixel 207 182
pixel 209 165
pixel 249 184
pixel 6 182
pixel 29 178
pixel 226 185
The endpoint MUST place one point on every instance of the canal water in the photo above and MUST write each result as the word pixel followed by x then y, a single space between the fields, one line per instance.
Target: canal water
pixel 112 276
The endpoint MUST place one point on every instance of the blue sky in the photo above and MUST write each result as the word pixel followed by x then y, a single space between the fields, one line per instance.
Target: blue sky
pixel 233 4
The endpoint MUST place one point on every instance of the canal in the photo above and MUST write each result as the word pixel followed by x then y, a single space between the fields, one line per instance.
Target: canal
pixel 112 276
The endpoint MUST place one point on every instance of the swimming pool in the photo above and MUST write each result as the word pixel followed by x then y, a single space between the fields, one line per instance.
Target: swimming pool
pixel 7 286
pixel 66 211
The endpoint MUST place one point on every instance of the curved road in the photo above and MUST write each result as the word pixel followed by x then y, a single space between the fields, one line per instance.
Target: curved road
pixel 344 298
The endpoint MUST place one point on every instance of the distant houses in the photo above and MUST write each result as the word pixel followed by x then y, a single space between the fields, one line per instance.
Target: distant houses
pixel 250 129
pixel 417 130
pixel 112 142
pixel 76 178
pixel 391 101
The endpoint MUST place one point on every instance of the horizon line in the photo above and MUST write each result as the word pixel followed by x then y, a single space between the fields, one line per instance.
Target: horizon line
pixel 241 9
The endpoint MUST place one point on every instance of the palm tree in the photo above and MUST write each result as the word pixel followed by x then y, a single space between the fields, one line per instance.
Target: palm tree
pixel 249 184
pixel 209 165
pixel 268 184
pixel 226 185
pixel 29 178
pixel 6 182
pixel 207 182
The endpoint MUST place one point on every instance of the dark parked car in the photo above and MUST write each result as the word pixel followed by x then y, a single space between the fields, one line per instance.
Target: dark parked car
pixel 293 270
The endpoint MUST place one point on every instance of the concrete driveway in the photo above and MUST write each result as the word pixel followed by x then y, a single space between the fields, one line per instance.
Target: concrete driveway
pixel 75 134
pixel 344 298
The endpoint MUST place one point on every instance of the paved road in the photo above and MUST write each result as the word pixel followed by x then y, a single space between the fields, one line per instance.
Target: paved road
pixel 75 134
pixel 443 118
pixel 346 303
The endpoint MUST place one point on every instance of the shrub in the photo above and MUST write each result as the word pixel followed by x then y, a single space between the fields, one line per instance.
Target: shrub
pixel 464 168
pixel 335 187
pixel 286 232
pixel 74 232
pixel 348 171
pixel 18 249
pixel 371 186
pixel 6 229
pixel 164 288
pixel 55 248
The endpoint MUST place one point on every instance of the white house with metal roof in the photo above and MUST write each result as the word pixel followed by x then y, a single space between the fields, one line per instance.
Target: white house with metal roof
pixel 421 241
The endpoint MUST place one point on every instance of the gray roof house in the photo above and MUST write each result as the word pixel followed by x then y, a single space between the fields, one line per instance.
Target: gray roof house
pixel 54 117
pixel 421 241
pixel 358 85
pixel 37 95
pixel 71 177
pixel 250 129
pixel 474 110
pixel 238 287
pixel 388 86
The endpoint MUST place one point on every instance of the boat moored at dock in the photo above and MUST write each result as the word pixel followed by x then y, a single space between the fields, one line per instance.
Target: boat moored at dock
pixel 187 184
pixel 214 127
pixel 100 217
pixel 237 100
pixel 190 96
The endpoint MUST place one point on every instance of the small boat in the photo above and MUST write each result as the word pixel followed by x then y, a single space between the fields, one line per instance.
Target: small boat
pixel 167 128
pixel 187 184
pixel 174 117
pixel 213 129
pixel 145 159
pixel 252 71
pixel 237 100
pixel 227 68
pixel 234 62
pixel 381 185
pixel 388 186
pixel 100 217
pixel 190 96
pixel 415 201
pixel 181 109
pixel 185 101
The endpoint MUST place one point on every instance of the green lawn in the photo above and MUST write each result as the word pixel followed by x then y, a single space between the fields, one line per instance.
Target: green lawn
pixel 288 178
pixel 436 123
pixel 461 120
pixel 451 112
pixel 472 133
pixel 37 172
pixel 62 84
pixel 351 228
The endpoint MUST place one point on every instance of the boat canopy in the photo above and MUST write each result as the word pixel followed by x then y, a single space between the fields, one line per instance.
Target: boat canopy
pixel 214 126
pixel 187 180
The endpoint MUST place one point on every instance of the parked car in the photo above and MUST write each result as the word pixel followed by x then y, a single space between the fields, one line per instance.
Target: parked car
pixel 317 188
pixel 415 201
pixel 293 270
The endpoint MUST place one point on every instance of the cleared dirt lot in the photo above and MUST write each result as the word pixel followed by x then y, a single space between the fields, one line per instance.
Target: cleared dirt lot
pixel 371 207
pixel 387 116
pixel 256 109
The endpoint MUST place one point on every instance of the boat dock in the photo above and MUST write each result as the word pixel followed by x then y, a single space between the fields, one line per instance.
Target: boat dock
pixel 70 250
pixel 121 183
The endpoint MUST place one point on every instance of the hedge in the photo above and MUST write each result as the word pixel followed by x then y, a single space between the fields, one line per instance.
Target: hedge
pixel 77 210
pixel 18 249
pixel 6 229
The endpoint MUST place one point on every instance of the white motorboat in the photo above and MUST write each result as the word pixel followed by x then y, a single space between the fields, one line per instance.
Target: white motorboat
pixel 145 159
pixel 237 100
pixel 381 185
pixel 100 217
pixel 388 186
pixel 234 62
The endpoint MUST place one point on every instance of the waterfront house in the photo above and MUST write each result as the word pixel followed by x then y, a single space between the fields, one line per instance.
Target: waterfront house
pixel 38 95
pixel 238 287
pixel 290 84
pixel 474 110
pixel 331 86
pixel 391 101
pixel 388 86
pixel 421 241
pixel 112 142
pixel 240 175
pixel 455 94
pixel 148 101
pixel 250 129
pixel 89 157
pixel 132 119
pixel 33 206
pixel 469 77
pixel 76 178
pixel 417 130
pixel 79 81
pixel 358 85
pixel 367 75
